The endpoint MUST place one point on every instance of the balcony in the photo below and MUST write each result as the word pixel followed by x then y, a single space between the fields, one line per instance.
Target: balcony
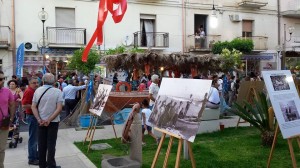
pixel 4 36
pixel 260 42
pixel 153 40
pixel 252 3
pixel 65 37
pixel 291 9
pixel 197 43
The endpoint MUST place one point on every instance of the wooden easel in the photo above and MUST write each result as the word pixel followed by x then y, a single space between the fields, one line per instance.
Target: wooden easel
pixel 172 136
pixel 91 131
pixel 289 140
pixel 252 93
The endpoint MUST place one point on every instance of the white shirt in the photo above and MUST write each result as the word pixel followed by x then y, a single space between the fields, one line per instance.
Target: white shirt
pixel 214 96
pixel 147 113
pixel 220 82
pixel 153 89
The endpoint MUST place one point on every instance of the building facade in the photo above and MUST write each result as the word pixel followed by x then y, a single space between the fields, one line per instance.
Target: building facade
pixel 162 25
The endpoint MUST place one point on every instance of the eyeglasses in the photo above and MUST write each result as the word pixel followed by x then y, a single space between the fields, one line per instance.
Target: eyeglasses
pixel 1 79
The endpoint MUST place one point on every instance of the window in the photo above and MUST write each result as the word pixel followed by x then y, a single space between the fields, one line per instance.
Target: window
pixel 247 28
pixel 147 29
pixel 65 17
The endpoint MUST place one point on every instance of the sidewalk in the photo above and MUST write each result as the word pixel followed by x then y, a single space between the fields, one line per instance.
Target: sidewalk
pixel 67 154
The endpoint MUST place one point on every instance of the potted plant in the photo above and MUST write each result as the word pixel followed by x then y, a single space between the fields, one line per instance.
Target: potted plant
pixel 257 115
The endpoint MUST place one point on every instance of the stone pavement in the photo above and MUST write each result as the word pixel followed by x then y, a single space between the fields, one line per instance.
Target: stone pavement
pixel 67 154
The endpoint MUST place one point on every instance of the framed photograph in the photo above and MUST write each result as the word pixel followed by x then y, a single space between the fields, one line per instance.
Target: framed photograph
pixel 285 101
pixel 179 106
pixel 100 99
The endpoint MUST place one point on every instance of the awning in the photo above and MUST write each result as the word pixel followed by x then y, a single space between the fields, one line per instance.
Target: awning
pixel 257 57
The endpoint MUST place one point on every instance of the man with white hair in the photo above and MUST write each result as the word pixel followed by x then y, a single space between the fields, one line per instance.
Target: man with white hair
pixel 46 107
pixel 153 90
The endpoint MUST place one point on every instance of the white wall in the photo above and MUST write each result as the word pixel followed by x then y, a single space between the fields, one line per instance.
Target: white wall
pixel 5 20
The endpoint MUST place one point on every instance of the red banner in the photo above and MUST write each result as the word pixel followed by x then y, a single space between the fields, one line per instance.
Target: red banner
pixel 105 6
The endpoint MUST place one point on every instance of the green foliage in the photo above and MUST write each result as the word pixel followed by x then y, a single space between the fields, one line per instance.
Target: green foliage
pixel 256 114
pixel 243 45
pixel 75 61
pixel 230 59
pixel 122 49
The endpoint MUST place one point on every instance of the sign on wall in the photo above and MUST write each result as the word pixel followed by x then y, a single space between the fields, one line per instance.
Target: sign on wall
pixel 285 101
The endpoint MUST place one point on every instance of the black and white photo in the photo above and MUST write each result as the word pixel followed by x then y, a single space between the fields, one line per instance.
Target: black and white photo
pixel 289 110
pixel 100 99
pixel 279 82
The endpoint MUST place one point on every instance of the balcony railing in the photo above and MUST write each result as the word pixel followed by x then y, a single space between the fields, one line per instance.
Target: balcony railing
pixel 4 36
pixel 202 43
pixel 151 39
pixel 290 8
pixel 253 3
pixel 260 42
pixel 64 36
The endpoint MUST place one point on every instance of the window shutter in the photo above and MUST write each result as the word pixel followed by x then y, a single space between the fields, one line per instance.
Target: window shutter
pixel 247 25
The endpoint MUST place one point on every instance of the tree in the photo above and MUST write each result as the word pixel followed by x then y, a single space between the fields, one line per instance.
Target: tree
pixel 75 61
pixel 230 60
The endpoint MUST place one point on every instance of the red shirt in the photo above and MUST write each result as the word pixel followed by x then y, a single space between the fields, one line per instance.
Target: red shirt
pixel 27 99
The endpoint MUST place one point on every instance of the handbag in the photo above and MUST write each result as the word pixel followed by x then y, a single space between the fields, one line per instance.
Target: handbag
pixel 5 120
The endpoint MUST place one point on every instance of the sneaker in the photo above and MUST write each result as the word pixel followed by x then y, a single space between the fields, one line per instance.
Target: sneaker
pixel 33 162
pixel 9 138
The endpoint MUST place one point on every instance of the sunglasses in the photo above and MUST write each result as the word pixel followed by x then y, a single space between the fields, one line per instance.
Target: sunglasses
pixel 1 79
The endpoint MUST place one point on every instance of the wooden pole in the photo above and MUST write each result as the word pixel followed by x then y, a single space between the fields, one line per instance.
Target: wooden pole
pixel 292 152
pixel 158 150
pixel 168 152
pixel 191 155
pixel 273 146
pixel 178 153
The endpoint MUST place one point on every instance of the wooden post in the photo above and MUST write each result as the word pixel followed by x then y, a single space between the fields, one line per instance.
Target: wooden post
pixel 158 150
pixel 273 146
pixel 168 152
pixel 178 153
pixel 292 152
pixel 91 131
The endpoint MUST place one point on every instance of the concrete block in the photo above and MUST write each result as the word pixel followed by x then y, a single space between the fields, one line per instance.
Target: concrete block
pixel 210 114
pixel 120 162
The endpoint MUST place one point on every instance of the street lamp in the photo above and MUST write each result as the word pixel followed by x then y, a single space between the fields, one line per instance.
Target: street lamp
pixel 43 16
pixel 291 29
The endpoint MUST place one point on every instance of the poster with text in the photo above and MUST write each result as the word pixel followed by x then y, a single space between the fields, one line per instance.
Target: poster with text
pixel 285 101
pixel 179 106
pixel 100 99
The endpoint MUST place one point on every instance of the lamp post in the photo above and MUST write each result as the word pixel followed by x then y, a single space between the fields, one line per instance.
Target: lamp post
pixel 43 16
pixel 291 29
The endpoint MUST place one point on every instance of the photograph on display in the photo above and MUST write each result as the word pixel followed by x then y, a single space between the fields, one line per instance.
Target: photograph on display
pixel 179 112
pixel 100 99
pixel 289 110
pixel 279 82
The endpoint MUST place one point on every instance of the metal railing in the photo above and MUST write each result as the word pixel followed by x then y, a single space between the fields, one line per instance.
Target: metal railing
pixel 66 36
pixel 260 42
pixel 151 39
pixel 4 36
pixel 203 42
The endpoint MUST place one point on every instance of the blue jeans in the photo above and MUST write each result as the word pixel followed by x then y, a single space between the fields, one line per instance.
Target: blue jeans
pixel 33 138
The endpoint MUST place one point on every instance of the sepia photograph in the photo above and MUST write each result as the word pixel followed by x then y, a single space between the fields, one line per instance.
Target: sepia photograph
pixel 279 82
pixel 100 99
pixel 180 112
pixel 289 110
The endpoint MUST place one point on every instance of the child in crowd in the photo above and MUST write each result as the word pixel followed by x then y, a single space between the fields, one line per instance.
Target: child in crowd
pixel 146 112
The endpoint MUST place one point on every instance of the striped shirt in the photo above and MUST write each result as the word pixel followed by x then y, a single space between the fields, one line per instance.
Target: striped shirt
pixel 69 92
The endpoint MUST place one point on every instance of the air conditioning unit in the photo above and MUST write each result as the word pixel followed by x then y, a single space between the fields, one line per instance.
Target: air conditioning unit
pixel 30 46
pixel 235 18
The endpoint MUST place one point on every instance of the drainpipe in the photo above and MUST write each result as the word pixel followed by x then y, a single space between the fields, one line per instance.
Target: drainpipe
pixel 13 37
pixel 278 17
pixel 183 27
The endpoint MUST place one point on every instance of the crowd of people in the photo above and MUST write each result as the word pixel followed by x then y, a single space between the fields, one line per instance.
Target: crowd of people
pixel 38 102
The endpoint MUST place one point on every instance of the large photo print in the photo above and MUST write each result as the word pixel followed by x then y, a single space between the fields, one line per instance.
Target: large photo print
pixel 100 99
pixel 179 106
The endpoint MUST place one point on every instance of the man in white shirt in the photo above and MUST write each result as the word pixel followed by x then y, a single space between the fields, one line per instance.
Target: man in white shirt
pixel 69 95
pixel 213 101
pixel 153 90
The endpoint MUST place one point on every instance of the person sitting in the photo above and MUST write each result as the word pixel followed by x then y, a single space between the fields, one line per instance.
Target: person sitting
pixel 213 101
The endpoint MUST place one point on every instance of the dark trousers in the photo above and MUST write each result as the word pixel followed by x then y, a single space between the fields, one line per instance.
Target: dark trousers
pixel 70 105
pixel 47 142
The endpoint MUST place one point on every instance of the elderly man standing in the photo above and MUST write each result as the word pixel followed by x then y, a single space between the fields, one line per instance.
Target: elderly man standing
pixel 153 90
pixel 33 158
pixel 46 107
pixel 6 102
pixel 69 94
